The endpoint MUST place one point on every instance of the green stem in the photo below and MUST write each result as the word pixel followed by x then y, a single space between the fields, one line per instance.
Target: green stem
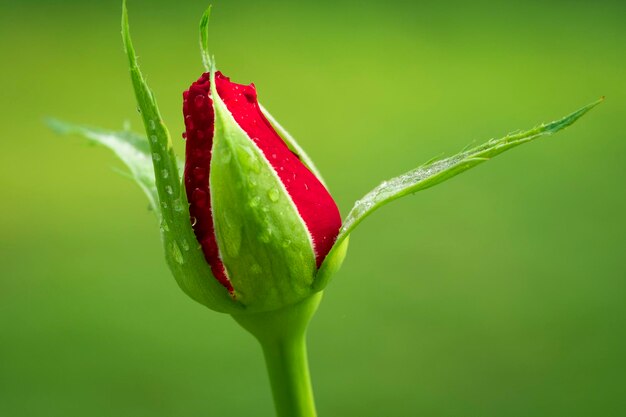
pixel 282 335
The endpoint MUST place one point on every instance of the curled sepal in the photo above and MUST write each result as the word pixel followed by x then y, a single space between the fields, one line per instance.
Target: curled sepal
pixel 429 174
pixel 182 251
pixel 263 241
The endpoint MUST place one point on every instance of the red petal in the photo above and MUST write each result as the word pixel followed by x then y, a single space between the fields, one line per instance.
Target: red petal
pixel 199 122
pixel 314 203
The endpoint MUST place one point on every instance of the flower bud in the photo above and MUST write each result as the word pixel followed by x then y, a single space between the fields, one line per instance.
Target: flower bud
pixel 264 220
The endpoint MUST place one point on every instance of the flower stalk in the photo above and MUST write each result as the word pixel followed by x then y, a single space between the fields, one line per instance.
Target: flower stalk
pixel 282 335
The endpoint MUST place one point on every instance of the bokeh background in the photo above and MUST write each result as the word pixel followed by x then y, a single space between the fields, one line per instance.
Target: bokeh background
pixel 499 293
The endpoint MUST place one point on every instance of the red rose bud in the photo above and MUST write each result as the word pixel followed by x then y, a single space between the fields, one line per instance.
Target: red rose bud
pixel 264 221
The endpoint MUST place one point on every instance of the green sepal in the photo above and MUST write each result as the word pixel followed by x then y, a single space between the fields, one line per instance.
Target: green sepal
pixel 428 175
pixel 263 241
pixel 182 251
pixel 131 148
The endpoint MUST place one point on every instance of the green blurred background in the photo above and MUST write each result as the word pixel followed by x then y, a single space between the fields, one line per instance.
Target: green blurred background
pixel 500 293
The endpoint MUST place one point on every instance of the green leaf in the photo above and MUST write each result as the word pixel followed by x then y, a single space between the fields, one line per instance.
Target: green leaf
pixel 131 148
pixel 291 143
pixel 182 251
pixel 433 173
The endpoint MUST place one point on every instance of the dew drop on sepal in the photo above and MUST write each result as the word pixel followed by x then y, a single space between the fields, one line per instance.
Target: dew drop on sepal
pixel 255 201
pixel 178 206
pixel 273 194
pixel 177 254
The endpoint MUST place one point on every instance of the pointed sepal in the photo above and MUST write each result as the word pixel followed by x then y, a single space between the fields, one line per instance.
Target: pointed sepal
pixel 428 175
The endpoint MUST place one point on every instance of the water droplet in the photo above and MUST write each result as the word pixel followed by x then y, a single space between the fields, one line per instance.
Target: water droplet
pixel 177 254
pixel 169 190
pixel 255 201
pixel 165 173
pixel 153 138
pixel 198 101
pixel 273 194
pixel 152 124
pixel 199 197
pixel 156 157
pixel 225 155
pixel 248 158
pixel 165 227
pixel 164 204
pixel 199 174
pixel 265 237
pixel 185 245
pixel 188 122
pixel 178 206
pixel 286 243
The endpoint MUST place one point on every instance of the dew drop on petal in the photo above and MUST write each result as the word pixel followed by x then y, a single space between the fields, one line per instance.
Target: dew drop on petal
pixel 199 197
pixel 198 101
pixel 188 122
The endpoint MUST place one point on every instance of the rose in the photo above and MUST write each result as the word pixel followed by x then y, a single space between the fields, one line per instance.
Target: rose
pixel 264 220
pixel 251 234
